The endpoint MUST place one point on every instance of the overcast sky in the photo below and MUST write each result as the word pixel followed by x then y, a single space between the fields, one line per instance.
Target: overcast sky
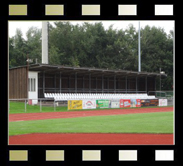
pixel 25 25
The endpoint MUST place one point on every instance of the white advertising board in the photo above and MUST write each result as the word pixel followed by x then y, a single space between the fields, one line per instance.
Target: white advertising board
pixel 114 104
pixel 163 102
pixel 89 104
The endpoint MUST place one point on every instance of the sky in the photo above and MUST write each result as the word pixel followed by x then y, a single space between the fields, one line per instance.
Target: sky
pixel 25 25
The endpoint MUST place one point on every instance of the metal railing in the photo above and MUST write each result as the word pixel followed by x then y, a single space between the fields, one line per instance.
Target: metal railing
pixel 40 104
pixel 49 104
pixel 162 94
pixel 93 90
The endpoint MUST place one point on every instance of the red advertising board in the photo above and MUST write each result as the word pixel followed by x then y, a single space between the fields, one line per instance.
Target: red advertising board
pixel 138 103
pixel 121 103
pixel 125 103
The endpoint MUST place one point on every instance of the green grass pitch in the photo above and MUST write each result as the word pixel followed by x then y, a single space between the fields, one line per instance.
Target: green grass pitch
pixel 161 122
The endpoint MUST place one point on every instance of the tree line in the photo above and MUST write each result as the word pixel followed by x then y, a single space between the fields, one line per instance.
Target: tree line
pixel 91 45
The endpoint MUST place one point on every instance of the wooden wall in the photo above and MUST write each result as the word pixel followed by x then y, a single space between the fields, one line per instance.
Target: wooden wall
pixel 18 83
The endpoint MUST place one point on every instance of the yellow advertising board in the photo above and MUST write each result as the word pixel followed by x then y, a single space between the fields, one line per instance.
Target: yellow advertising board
pixel 74 104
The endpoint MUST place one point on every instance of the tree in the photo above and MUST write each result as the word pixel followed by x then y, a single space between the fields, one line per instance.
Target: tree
pixel 33 43
pixel 12 53
pixel 17 50
pixel 90 45
pixel 157 52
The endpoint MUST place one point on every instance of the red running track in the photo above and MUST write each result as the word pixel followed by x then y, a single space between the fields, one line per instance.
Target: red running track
pixel 88 138
pixel 92 139
pixel 73 114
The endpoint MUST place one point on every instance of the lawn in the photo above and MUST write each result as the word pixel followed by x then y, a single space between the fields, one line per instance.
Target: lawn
pixel 161 122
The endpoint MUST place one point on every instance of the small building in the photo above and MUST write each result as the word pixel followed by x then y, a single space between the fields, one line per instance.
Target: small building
pixel 33 81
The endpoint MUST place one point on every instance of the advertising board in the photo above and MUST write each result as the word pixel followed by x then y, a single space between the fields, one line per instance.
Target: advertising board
pixel 102 103
pixel 74 104
pixel 125 103
pixel 89 104
pixel 135 103
pixel 149 102
pixel 114 104
pixel 163 102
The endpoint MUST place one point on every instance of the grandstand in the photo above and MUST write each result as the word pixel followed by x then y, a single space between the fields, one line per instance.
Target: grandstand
pixel 63 83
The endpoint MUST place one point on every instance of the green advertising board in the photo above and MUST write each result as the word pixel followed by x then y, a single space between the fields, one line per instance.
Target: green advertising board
pixel 102 103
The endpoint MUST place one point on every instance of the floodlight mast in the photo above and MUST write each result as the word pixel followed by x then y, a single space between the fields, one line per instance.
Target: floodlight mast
pixel 139 55
pixel 45 42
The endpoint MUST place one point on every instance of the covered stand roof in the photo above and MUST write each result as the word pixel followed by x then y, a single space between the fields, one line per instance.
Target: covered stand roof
pixel 86 70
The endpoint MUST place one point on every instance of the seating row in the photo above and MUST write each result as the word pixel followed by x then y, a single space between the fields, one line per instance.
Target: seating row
pixel 81 96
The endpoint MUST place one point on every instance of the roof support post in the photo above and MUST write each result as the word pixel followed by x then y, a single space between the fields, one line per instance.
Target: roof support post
pixel 96 84
pixel 55 76
pixel 108 84
pixel 69 83
pixel 28 84
pixel 146 84
pixel 83 83
pixel 136 84
pixel 126 84
pixel 155 84
pixel 75 82
pixel 43 82
pixel 102 83
pixel 89 82
pixel 60 82
pixel 114 83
